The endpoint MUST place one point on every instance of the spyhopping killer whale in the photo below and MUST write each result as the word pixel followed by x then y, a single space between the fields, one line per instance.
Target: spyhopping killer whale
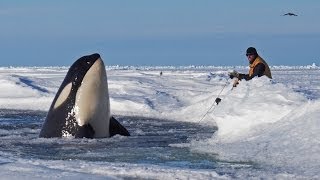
pixel 81 107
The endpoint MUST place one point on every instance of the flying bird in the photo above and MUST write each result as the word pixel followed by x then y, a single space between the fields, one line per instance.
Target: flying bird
pixel 290 14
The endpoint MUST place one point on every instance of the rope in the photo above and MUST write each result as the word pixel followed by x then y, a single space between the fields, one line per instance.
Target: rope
pixel 213 104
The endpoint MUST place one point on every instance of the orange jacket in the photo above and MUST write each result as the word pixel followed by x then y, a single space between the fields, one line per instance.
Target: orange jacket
pixel 257 61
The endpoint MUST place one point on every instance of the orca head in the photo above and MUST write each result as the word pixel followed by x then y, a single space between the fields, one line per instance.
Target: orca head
pixel 81 106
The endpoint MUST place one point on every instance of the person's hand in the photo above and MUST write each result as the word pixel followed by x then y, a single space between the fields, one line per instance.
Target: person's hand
pixel 233 74
pixel 235 82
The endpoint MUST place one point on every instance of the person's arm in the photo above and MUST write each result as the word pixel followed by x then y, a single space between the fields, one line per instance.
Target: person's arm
pixel 257 71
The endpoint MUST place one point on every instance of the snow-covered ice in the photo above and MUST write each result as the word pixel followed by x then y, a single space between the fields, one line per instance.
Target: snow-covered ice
pixel 266 128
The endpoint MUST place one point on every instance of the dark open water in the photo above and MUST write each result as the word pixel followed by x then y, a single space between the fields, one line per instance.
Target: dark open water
pixel 150 143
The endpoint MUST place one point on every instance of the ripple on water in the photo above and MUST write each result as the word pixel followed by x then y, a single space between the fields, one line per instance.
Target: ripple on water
pixel 149 143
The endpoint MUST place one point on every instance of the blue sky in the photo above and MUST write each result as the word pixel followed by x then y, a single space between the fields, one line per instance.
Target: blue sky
pixel 166 32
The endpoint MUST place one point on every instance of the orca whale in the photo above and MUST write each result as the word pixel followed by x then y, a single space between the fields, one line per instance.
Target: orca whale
pixel 81 107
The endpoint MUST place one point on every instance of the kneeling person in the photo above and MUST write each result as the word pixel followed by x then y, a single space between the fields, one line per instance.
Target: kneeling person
pixel 258 67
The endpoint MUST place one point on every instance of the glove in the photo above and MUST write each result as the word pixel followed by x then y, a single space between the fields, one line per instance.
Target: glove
pixel 236 82
pixel 233 74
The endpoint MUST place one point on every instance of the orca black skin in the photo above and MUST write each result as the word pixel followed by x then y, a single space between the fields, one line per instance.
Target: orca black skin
pixel 81 107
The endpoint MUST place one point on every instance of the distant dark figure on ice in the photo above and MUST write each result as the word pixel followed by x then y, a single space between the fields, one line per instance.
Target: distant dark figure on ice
pixel 160 73
pixel 258 67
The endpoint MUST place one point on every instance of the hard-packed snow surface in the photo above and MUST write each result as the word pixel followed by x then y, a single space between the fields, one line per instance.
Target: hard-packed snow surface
pixel 266 128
